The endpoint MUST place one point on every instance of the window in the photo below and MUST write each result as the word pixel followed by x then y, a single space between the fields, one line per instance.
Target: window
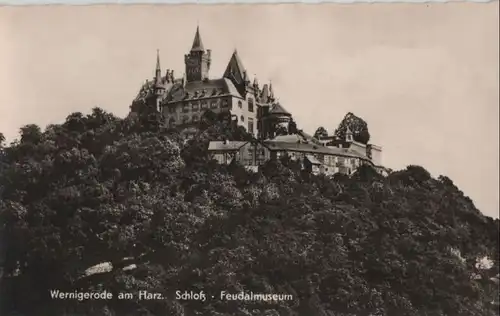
pixel 185 108
pixel 242 118
pixel 240 105
pixel 204 105
pixel 185 120
pixel 195 106
pixel 213 104
pixel 171 122
pixel 250 126
pixel 225 103
pixel 250 105
pixel 195 118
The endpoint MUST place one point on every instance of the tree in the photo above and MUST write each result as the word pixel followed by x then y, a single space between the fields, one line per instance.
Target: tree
pixel 281 130
pixel 292 127
pixel 101 203
pixel 320 132
pixel 358 127
pixel 30 133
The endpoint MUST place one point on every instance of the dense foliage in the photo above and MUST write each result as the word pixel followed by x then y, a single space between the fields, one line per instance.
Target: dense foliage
pixel 126 191
pixel 358 127
pixel 320 132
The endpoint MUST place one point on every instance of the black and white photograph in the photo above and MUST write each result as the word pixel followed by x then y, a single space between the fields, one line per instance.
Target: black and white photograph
pixel 250 160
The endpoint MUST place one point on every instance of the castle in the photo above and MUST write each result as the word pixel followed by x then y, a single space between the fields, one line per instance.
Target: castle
pixel 182 101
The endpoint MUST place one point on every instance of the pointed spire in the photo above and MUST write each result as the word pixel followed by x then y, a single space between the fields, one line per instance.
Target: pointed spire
pixel 271 92
pixel 158 69
pixel 158 60
pixel 197 43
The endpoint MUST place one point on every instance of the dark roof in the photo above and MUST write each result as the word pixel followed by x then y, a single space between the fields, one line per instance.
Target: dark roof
pixel 203 89
pixel 278 109
pixel 290 138
pixel 313 160
pixel 147 88
pixel 235 64
pixel 225 146
pixel 197 43
pixel 311 148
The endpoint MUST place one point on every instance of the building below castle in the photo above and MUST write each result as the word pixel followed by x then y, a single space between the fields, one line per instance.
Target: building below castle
pixel 324 157
pixel 183 101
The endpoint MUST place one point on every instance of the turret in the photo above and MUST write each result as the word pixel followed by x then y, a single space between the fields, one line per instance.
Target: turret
pixel 198 60
pixel 349 137
pixel 159 89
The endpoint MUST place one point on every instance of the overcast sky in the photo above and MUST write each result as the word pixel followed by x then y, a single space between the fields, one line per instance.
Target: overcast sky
pixel 424 77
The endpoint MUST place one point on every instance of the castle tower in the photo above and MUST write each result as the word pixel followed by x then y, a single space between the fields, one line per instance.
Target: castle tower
pixel 159 89
pixel 198 60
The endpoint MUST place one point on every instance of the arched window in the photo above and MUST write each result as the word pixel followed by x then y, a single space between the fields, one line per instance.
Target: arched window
pixel 242 118
pixel 240 104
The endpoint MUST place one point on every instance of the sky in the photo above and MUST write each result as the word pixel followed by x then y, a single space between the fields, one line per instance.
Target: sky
pixel 425 77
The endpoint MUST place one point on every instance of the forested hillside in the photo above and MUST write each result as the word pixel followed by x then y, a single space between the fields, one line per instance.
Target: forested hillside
pixel 98 188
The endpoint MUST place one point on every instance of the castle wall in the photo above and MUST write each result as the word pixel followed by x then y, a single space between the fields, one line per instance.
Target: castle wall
pixel 247 115
pixel 376 155
pixel 191 111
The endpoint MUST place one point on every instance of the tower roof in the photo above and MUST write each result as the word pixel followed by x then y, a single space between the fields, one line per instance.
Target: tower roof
pixel 278 109
pixel 158 69
pixel 197 43
pixel 239 64
pixel 158 60
pixel 235 68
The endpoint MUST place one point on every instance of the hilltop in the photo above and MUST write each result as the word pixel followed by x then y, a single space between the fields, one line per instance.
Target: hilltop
pixel 163 217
